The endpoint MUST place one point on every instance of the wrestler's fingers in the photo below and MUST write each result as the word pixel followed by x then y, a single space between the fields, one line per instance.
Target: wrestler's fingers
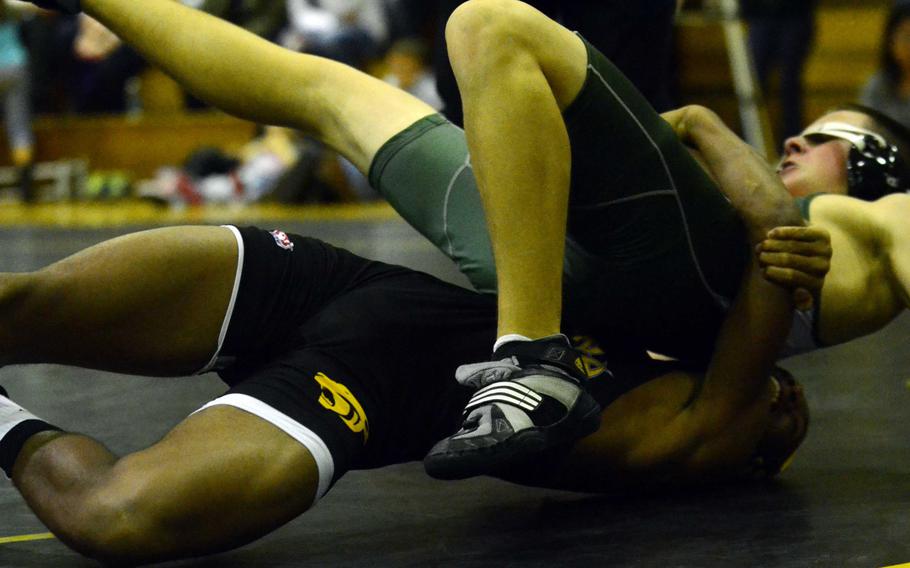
pixel 789 278
pixel 805 248
pixel 813 265
pixel 807 233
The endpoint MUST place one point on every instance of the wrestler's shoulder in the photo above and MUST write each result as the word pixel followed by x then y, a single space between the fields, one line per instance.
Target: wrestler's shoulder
pixel 858 213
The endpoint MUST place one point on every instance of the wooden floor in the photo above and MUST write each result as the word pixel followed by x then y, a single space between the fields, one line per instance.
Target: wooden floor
pixel 844 502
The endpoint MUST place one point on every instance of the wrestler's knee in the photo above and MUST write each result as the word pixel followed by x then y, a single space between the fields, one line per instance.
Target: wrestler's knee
pixel 480 32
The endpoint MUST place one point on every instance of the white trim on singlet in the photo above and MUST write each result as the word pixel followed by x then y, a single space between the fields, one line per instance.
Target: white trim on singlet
pixel 445 203
pixel 720 299
pixel 230 309
pixel 325 464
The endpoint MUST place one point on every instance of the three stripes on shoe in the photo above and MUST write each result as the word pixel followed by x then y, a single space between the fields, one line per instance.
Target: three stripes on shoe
pixel 507 392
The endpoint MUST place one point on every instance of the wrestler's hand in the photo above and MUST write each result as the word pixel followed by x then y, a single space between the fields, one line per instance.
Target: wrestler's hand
pixel 797 258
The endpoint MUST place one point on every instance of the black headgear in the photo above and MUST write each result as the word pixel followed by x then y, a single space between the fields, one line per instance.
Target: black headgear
pixel 874 167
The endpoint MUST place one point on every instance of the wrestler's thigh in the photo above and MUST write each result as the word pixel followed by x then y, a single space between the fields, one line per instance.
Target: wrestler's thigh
pixel 151 302
pixel 221 478
pixel 357 113
pixel 625 155
pixel 425 173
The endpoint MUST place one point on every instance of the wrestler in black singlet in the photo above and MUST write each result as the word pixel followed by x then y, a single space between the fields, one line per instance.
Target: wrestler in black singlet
pixel 361 352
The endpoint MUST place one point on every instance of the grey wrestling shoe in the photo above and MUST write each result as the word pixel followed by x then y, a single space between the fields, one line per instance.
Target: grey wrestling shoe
pixel 531 397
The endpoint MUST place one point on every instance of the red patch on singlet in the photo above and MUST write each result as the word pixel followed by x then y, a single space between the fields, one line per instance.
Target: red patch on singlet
pixel 282 239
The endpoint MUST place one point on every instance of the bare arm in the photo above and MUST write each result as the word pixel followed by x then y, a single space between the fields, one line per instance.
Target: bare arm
pixel 745 178
pixel 658 434
pixel 760 198
pixel 730 414
pixel 724 422
pixel 889 216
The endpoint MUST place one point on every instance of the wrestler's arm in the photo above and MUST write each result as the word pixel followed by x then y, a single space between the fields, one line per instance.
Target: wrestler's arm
pixel 756 191
pixel 743 176
pixel 723 424
pixel 664 432
pixel 889 216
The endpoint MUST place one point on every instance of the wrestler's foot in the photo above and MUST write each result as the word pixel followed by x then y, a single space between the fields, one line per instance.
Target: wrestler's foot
pixel 65 6
pixel 531 398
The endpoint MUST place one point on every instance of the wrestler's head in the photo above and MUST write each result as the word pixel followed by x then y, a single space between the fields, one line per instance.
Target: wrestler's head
pixel 853 150
pixel 788 424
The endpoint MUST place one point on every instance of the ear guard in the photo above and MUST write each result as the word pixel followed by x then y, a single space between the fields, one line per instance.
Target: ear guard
pixel 874 167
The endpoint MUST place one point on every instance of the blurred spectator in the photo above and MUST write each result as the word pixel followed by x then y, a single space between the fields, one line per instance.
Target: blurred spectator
pixel 48 38
pixel 410 18
pixel 350 31
pixel 14 88
pixel 889 89
pixel 780 36
pixel 265 18
pixel 104 67
pixel 104 70
pixel 406 64
pixel 636 36
pixel 210 175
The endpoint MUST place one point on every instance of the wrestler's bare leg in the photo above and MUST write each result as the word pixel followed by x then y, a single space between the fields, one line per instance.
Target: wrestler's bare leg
pixel 220 479
pixel 252 78
pixel 147 303
pixel 517 70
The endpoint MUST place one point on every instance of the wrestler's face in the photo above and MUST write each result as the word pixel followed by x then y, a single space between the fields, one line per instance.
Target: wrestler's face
pixel 818 164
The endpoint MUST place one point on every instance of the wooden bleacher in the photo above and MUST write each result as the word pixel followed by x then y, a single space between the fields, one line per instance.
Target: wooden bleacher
pixel 162 135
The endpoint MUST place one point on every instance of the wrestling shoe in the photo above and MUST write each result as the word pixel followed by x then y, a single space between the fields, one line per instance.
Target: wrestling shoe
pixel 532 396
pixel 65 6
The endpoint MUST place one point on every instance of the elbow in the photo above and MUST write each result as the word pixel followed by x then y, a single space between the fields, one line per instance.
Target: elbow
pixel 697 116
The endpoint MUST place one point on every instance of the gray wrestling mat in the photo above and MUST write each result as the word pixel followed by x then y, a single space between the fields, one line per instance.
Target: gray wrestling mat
pixel 844 502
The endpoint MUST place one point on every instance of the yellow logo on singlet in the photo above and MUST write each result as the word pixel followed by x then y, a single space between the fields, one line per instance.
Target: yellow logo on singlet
pixel 592 356
pixel 337 398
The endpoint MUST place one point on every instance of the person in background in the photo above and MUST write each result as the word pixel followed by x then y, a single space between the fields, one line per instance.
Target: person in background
pixel 349 31
pixel 265 18
pixel 780 36
pixel 14 88
pixel 888 90
pixel 406 68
